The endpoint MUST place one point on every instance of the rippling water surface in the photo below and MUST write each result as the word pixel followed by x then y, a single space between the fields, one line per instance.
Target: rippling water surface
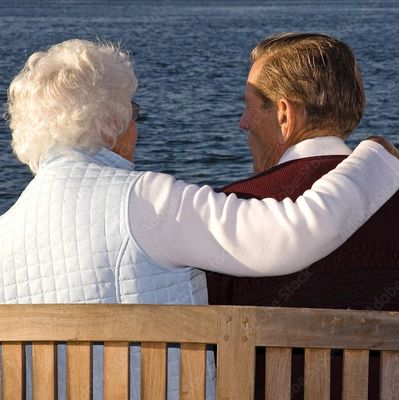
pixel 191 59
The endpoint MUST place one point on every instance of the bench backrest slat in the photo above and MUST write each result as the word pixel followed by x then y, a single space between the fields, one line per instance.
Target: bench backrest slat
pixel 355 375
pixel 116 370
pixel 389 387
pixel 44 370
pixel 153 371
pixel 12 377
pixel 278 373
pixel 317 374
pixel 192 371
pixel 79 370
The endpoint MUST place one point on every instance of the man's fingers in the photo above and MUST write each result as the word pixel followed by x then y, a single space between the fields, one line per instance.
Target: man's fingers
pixel 386 144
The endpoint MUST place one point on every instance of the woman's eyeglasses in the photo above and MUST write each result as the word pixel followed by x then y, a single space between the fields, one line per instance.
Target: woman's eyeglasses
pixel 135 111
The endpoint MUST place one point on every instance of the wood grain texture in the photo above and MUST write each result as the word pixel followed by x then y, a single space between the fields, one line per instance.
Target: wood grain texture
pixel 317 374
pixel 323 328
pixel 79 371
pixel 116 370
pixel 13 366
pixel 278 373
pixel 235 355
pixel 276 327
pixel 192 371
pixel 108 322
pixel 389 375
pixel 44 371
pixel 355 375
pixel 153 371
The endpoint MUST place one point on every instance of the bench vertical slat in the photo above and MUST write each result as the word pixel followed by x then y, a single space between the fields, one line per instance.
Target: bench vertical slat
pixel 317 374
pixel 79 370
pixel 44 371
pixel 389 375
pixel 278 373
pixel 13 371
pixel 192 371
pixel 116 370
pixel 355 374
pixel 235 354
pixel 153 371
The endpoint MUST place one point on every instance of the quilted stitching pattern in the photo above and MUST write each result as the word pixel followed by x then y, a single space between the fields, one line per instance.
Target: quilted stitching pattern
pixel 56 242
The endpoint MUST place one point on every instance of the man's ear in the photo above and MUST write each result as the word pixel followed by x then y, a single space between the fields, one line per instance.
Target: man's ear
pixel 286 115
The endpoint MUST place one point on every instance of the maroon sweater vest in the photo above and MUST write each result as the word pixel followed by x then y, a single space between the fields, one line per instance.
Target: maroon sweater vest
pixel 362 274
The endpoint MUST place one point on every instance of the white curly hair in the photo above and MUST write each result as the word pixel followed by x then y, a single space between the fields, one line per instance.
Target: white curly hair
pixel 77 93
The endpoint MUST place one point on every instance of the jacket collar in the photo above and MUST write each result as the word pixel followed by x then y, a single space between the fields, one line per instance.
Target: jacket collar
pixel 319 146
pixel 74 155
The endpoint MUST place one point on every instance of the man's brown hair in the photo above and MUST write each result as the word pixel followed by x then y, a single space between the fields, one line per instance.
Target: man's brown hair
pixel 318 73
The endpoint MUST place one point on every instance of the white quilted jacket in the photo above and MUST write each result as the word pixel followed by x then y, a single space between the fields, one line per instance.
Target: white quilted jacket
pixel 66 240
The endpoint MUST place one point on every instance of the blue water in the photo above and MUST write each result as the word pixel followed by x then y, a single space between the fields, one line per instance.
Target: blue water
pixel 191 59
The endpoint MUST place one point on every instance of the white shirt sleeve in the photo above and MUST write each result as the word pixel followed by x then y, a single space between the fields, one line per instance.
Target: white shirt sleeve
pixel 180 224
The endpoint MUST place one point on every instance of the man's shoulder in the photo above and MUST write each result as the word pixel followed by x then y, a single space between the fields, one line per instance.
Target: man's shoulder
pixel 289 179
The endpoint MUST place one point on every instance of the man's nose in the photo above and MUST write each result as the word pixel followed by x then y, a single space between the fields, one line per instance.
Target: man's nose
pixel 244 121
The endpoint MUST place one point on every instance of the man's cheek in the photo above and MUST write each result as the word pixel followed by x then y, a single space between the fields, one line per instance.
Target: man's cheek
pixel 253 142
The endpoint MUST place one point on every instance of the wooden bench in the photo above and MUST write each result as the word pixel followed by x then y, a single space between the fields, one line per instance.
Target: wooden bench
pixel 235 330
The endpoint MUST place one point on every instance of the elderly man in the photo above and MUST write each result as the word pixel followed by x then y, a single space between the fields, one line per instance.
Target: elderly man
pixel 304 96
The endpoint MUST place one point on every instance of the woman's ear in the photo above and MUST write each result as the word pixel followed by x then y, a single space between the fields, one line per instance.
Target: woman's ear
pixel 286 119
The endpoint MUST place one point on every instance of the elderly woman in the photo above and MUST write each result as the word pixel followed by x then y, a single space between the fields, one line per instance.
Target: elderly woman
pixel 89 228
